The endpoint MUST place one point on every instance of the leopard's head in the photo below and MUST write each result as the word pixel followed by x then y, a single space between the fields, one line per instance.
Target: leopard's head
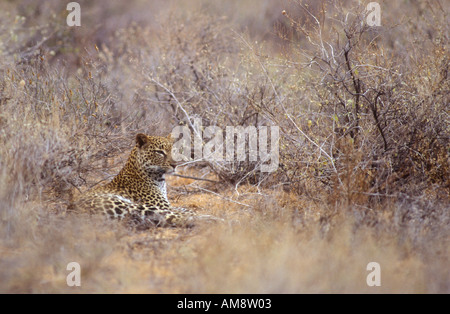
pixel 154 154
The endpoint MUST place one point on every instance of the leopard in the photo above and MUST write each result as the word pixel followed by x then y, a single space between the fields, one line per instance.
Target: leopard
pixel 138 193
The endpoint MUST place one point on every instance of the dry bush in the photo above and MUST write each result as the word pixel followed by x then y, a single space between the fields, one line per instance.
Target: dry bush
pixel 373 123
pixel 188 71
pixel 58 127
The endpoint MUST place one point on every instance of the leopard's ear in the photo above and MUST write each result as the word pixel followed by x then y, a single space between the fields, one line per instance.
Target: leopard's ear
pixel 141 139
pixel 169 136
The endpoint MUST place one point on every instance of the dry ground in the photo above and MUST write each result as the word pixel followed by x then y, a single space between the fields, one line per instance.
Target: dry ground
pixel 282 246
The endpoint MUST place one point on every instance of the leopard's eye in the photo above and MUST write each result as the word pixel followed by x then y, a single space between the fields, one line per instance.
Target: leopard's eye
pixel 161 153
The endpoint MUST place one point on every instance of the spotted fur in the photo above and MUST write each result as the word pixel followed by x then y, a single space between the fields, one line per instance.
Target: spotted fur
pixel 138 193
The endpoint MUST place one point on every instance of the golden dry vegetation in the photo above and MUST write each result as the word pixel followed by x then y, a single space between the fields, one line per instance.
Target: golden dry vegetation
pixel 363 114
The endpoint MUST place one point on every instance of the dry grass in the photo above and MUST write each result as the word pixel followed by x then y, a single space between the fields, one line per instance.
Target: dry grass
pixel 364 166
